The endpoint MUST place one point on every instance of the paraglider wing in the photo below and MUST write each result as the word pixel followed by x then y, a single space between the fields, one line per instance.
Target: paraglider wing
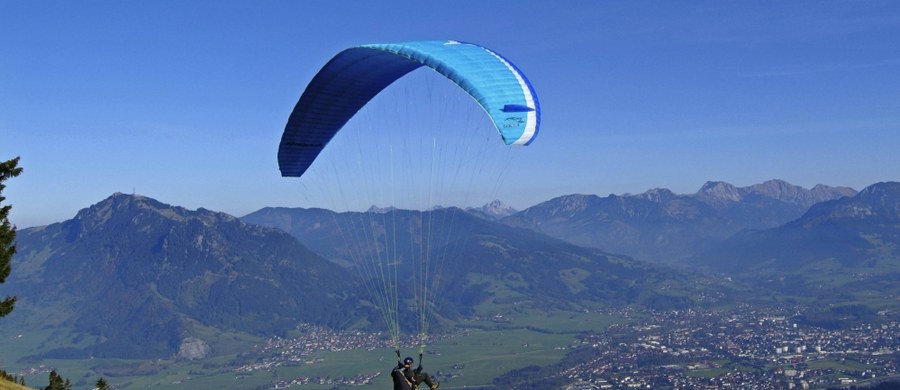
pixel 354 76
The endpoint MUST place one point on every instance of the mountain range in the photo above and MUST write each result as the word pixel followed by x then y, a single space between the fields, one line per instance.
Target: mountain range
pixel 662 227
pixel 851 231
pixel 840 250
pixel 134 277
pixel 477 257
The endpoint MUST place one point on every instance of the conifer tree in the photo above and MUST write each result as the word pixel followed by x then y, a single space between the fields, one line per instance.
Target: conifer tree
pixel 57 382
pixel 8 169
pixel 102 385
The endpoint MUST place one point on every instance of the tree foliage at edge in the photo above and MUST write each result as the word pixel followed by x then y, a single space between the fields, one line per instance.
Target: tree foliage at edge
pixel 8 169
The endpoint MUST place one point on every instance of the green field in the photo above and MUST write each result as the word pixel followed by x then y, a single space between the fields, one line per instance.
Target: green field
pixel 482 351
pixel 842 365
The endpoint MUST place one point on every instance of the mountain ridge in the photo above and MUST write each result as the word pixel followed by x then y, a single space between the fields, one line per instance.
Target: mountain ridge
pixel 660 226
pixel 842 250
pixel 155 267
pixel 850 230
pixel 474 246
pixel 143 272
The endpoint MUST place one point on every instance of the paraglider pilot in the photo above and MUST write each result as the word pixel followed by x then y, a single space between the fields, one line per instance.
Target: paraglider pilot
pixel 407 378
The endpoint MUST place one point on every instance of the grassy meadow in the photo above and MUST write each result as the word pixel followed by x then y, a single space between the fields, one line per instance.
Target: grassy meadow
pixel 481 351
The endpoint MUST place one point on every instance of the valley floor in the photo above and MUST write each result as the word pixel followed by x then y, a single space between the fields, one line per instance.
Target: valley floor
pixel 745 347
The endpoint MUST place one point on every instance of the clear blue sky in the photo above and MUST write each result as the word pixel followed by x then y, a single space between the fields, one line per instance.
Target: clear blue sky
pixel 185 101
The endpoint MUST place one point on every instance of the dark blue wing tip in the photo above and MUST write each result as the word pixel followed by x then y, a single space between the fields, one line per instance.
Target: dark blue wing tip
pixel 516 108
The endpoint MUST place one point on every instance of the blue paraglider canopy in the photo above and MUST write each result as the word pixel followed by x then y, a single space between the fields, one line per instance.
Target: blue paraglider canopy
pixel 353 77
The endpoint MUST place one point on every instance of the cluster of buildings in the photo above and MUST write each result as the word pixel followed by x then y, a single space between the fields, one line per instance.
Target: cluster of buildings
pixel 34 371
pixel 747 348
pixel 357 380
pixel 294 351
pixel 280 351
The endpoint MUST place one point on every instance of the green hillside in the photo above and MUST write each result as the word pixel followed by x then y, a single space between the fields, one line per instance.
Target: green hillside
pixel 7 385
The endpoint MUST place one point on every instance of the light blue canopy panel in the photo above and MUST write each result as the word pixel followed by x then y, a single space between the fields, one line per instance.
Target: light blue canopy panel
pixel 353 77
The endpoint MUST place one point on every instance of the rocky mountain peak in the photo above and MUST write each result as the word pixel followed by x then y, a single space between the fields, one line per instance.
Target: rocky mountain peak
pixel 777 189
pixel 121 211
pixel 881 191
pixel 575 203
pixel 380 210
pixel 658 195
pixel 103 212
pixel 789 193
pixel 498 208
pixel 720 191
pixel 495 209
pixel 883 198
pixel 821 193
pixel 877 202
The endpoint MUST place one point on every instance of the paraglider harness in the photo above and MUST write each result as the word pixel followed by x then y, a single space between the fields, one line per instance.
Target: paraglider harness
pixel 412 377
